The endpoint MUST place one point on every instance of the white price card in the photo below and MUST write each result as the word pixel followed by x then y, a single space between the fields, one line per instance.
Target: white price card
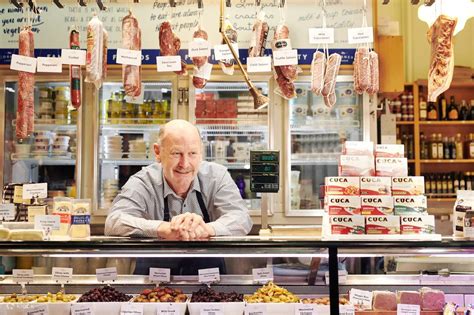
pixel 62 274
pixel 199 48
pixel 131 309
pixel 7 211
pixel 204 72
pixel 259 64
pixel 49 64
pixel 23 275
pixel 346 310
pixel 360 35
pixel 47 222
pixel 407 309
pixel 75 57
pixel 168 309
pixel 106 274
pixel 168 63
pixel 285 57
pixel 209 275
pixel 361 298
pixel 160 275
pixel 321 35
pixel 212 309
pixel 37 310
pixel 35 190
pixel 262 275
pixel 23 63
pixel 129 57
pixel 81 309
pixel 305 309
pixel 255 309
pixel 222 52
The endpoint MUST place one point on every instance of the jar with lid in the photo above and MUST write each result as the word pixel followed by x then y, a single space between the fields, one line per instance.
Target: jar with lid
pixel 61 93
pixel 116 109
pixel 141 115
pixel 45 93
pixel 159 114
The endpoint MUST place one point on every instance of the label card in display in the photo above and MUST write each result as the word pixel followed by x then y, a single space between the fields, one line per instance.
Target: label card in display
pixel 37 310
pixel 305 309
pixel 346 310
pixel 212 309
pixel 285 57
pixel 81 309
pixel 255 309
pixel 209 275
pixel 321 35
pixel 7 212
pixel 47 223
pixel 106 274
pixel 62 274
pixel 35 190
pixel 168 63
pixel 129 57
pixel 23 63
pixel 222 52
pixel 131 309
pixel 204 72
pixel 262 275
pixel 23 275
pixel 49 64
pixel 360 35
pixel 168 309
pixel 361 298
pixel 199 48
pixel 408 309
pixel 259 64
pixel 75 57
pixel 160 275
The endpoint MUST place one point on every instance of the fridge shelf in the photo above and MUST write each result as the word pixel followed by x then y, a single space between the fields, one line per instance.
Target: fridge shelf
pixel 130 128
pixel 313 159
pixel 231 165
pixel 319 126
pixel 232 130
pixel 52 125
pixel 127 161
pixel 44 160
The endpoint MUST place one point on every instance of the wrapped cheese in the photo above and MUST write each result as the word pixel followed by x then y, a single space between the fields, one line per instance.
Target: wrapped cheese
pixel 80 219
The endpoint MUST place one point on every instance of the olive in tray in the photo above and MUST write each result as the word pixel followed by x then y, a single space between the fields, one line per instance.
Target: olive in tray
pixel 104 294
pixel 161 295
pixel 54 298
pixel 271 293
pixel 324 301
pixel 207 295
pixel 18 298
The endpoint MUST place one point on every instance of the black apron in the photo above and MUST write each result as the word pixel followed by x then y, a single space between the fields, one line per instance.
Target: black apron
pixel 180 266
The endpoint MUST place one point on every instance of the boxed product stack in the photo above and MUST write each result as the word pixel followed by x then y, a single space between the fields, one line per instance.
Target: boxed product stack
pixel 374 195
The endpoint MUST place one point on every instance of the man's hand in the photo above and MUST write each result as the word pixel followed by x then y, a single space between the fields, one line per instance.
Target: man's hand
pixel 191 226
pixel 165 232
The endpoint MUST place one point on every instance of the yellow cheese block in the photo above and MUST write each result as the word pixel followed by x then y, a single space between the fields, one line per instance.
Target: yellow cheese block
pixel 26 235
pixel 4 234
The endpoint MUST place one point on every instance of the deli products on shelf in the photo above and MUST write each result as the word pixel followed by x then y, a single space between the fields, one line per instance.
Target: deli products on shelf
pixel 19 298
pixel 417 224
pixel 317 72
pixel 329 89
pixel 210 295
pixel 161 294
pixel 391 167
pixel 343 205
pixel 358 148
pixel 409 297
pixel 347 224
pixel 384 301
pixel 95 52
pixel 375 186
pixel 432 300
pixel 132 40
pixel 104 294
pixel 324 301
pixel 271 293
pixel 464 202
pixel 170 44
pixel 342 186
pixel 410 185
pixel 382 224
pixel 75 74
pixel 356 165
pixel 259 36
pixel 54 298
pixel 390 150
pixel 410 205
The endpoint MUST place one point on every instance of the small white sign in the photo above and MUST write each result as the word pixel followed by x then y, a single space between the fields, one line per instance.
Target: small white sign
pixel 213 309
pixel 342 277
pixel 23 63
pixel 360 35
pixel 346 310
pixel 49 64
pixel 361 298
pixel 81 309
pixel 259 64
pixel 23 275
pixel 62 274
pixel 168 309
pixel 285 57
pixel 321 35
pixel 199 48
pixel 305 309
pixel 160 275
pixel 47 223
pixel 407 309
pixel 73 57
pixel 204 72
pixel 7 211
pixel 131 309
pixel 35 190
pixel 209 275
pixel 129 57
pixel 106 274
pixel 262 275
pixel 168 63
pixel 255 309
pixel 37 310
pixel 222 52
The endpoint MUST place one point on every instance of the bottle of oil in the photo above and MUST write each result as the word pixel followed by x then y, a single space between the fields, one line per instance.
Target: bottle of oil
pixel 453 112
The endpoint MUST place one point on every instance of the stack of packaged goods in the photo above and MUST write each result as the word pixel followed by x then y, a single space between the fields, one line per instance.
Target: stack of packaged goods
pixel 373 193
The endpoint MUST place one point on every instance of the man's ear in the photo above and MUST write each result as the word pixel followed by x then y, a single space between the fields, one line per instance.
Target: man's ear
pixel 157 150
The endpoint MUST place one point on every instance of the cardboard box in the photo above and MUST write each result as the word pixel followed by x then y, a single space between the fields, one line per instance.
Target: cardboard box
pixel 410 205
pixel 348 186
pixel 343 205
pixel 356 165
pixel 358 148
pixel 347 224
pixel 376 205
pixel 382 224
pixel 372 186
pixel 408 186
pixel 390 150
pixel 391 167
pixel 419 224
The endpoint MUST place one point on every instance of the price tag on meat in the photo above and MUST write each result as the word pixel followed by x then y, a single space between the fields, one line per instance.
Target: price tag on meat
pixel 62 274
pixel 168 63
pixel 75 57
pixel 212 309
pixel 49 64
pixel 360 35
pixel 321 35
pixel 106 274
pixel 129 57
pixel 35 190
pixel 23 63
pixel 285 57
pixel 305 309
pixel 159 275
pixel 222 52
pixel 47 222
pixel 262 275
pixel 7 212
pixel 37 310
pixel 209 275
pixel 255 309
pixel 168 309
pixel 346 310
pixel 407 309
pixel 131 309
pixel 259 64
pixel 199 48
pixel 361 298
pixel 81 309
pixel 23 275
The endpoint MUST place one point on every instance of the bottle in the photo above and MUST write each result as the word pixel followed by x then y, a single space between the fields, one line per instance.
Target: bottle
pixel 463 111
pixel 423 147
pixel 411 148
pixel 427 184
pixel 446 149
pixel 432 111
pixel 439 184
pixel 423 109
pixel 453 112
pixel 434 147
pixel 456 183
pixel 468 180
pixel 452 148
pixel 450 184
pixel 470 144
pixel 442 108
pixel 440 146
pixel 444 184
pixel 405 143
pixel 459 147
pixel 462 182
pixel 471 110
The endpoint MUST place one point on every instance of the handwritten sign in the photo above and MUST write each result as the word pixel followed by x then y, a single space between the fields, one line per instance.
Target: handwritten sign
pixel 131 309
pixel 168 309
pixel 212 309
pixel 7 211
pixel 222 52
pixel 361 298
pixel 209 275
pixel 346 310
pixel 255 309
pixel 106 274
pixel 62 274
pixel 23 63
pixel 47 222
pixel 407 309
pixel 35 190
pixel 49 64
pixel 262 275
pixel 37 310
pixel 81 309
pixel 259 64
pixel 23 275
pixel 305 309
pixel 129 57
pixel 168 63
pixel 360 35
pixel 160 275
pixel 73 57
pixel 285 57
pixel 199 48
pixel 321 35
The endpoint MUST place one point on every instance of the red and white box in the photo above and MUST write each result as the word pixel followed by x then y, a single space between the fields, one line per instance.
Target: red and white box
pixel 417 224
pixel 348 186
pixel 390 150
pixel 347 224
pixel 391 167
pixel 356 165
pixel 408 186
pixel 376 205
pixel 358 148
pixel 382 224
pixel 343 205
pixel 372 186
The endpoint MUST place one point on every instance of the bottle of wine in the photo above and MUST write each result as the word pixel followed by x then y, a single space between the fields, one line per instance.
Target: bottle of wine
pixel 453 112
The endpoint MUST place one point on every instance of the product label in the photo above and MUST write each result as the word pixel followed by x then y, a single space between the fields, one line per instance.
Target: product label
pixel 209 275
pixel 106 274
pixel 360 35
pixel 168 309
pixel 81 309
pixel 262 275
pixel 259 64
pixel 168 63
pixel 159 275
pixel 343 205
pixel 49 64
pixel 281 44
pixel 407 205
pixel 347 224
pixel 73 57
pixel 386 224
pixel 212 309
pixel 62 274
pixel 80 219
pixel 7 212
pixel 358 148
pixel 346 310
pixel 342 186
pixel 375 186
pixel 18 194
pixel 285 57
pixel 48 223
pixel 390 150
pixel 255 309
pixel 391 167
pixel 408 309
pixel 410 185
pixel 376 205
pixel 199 48
pixel 356 165
pixel 361 298
pixel 33 211
pixel 129 57
pixel 321 35
pixel 37 310
pixel 222 52
pixel 423 224
pixel 23 275
pixel 305 309
pixel 131 309
pixel 35 190
pixel 23 63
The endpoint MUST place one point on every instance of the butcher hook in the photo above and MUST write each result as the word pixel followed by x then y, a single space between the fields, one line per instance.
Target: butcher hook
pixel 228 3
pixel 429 3
pixel 172 3
pixel 200 4
pixel 17 4
pixel 82 3
pixel 33 7
pixel 415 2
pixel 101 5
pixel 385 1
pixel 58 4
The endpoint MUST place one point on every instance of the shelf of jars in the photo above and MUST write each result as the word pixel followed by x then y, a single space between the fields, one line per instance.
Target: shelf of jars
pixel 52 125
pixel 244 128
pixel 137 125
pixel 315 126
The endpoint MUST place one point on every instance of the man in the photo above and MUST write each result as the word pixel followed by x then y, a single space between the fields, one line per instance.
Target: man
pixel 181 197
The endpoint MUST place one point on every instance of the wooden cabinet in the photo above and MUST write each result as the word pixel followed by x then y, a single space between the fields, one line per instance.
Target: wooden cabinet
pixel 391 64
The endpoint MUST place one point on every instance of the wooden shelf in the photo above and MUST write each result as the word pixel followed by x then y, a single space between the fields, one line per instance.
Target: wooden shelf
pixel 405 122
pixel 454 84
pixel 411 161
pixel 448 123
pixel 446 161
pixel 434 199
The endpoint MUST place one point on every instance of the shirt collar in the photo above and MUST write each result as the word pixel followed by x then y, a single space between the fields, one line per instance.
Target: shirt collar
pixel 167 190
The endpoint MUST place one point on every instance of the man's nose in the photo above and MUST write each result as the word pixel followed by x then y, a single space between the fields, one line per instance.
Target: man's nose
pixel 184 160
